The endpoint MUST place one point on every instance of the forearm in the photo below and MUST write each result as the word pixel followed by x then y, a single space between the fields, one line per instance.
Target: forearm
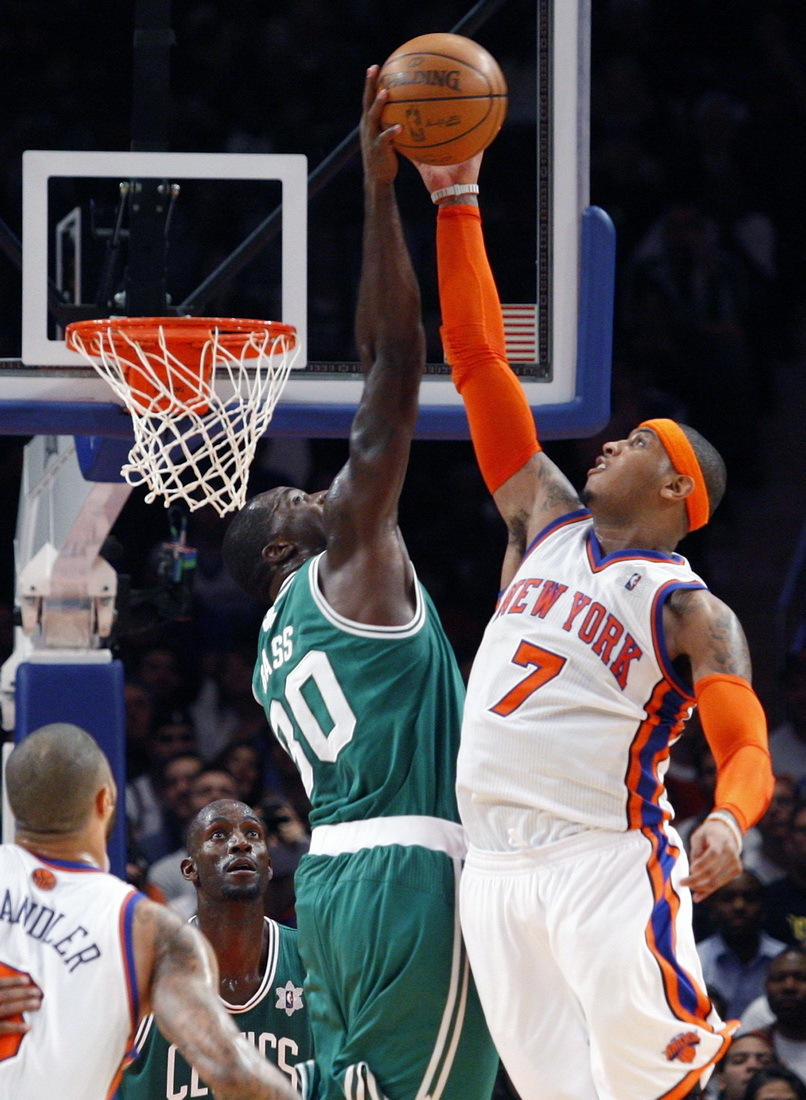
pixel 501 424
pixel 391 343
pixel 735 728
pixel 389 332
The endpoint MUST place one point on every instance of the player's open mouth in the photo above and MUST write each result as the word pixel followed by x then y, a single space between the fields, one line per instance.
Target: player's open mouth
pixel 240 865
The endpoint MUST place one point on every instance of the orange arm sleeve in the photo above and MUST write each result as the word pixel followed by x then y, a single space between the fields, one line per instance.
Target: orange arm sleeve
pixel 501 424
pixel 735 728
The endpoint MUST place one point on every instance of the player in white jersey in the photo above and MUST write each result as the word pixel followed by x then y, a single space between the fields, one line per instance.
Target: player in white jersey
pixel 92 953
pixel 576 898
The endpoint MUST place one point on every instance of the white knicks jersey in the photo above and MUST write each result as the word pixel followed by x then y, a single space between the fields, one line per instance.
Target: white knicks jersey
pixel 68 926
pixel 572 702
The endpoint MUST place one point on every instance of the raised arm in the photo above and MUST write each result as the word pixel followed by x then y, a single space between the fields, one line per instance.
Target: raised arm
pixel 528 489
pixel 703 630
pixel 366 571
pixel 178 973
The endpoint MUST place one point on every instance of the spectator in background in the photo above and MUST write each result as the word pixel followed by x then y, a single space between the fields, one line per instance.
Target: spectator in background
pixel 735 959
pixel 788 738
pixel 785 899
pixel 225 710
pixel 174 793
pixel 165 877
pixel 748 1053
pixel 786 996
pixel 705 776
pixel 159 670
pixel 288 840
pixel 221 610
pixel 170 735
pixel 775 1083
pixel 244 762
pixel 765 845
pixel 139 720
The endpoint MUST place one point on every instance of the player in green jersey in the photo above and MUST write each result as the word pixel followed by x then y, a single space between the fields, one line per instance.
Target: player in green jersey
pixel 260 972
pixel 361 687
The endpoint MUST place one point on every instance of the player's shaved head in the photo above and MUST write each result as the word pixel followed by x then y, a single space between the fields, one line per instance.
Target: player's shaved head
pixel 225 809
pixel 242 548
pixel 52 777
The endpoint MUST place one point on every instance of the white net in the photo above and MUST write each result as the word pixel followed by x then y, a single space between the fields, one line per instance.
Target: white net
pixel 200 397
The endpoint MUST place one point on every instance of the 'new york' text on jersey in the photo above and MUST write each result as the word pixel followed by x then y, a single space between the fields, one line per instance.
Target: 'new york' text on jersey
pixel 573 703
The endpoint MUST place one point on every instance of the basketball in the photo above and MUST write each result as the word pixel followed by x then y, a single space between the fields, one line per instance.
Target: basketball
pixel 449 95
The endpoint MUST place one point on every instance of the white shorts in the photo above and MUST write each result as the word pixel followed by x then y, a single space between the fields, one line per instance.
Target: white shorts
pixel 585 962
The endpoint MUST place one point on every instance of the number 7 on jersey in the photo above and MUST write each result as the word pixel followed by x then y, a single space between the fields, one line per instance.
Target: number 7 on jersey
pixel 546 665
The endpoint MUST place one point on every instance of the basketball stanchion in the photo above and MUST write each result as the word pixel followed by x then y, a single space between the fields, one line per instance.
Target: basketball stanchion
pixel 201 391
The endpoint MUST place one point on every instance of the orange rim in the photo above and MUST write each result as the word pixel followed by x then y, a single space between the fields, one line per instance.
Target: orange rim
pixel 190 332
pixel 183 338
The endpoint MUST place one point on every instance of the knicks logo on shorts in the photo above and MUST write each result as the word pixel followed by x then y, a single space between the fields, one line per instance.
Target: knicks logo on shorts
pixel 43 878
pixel 683 1047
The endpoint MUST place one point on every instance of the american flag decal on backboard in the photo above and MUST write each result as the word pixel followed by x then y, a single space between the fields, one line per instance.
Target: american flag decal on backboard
pixel 520 333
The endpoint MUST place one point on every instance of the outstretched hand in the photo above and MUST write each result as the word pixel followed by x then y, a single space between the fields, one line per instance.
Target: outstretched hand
pixel 436 176
pixel 377 150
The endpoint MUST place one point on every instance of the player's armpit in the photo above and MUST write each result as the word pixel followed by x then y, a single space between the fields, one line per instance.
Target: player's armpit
pixel 735 728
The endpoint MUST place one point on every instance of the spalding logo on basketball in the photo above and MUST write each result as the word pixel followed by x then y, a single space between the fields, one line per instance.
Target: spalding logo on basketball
pixel 448 94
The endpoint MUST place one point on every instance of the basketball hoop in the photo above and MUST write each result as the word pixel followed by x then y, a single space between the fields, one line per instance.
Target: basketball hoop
pixel 201 392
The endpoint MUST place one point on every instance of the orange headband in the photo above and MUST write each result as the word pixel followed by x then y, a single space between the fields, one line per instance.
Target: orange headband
pixel 685 462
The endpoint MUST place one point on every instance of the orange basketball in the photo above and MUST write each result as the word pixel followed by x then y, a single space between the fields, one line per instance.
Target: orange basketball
pixel 449 95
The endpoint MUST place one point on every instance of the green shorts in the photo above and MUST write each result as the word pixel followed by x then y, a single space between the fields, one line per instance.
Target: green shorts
pixel 388 978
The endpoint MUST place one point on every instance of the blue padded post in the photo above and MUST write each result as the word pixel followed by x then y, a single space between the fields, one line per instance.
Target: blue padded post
pixel 101 458
pixel 90 696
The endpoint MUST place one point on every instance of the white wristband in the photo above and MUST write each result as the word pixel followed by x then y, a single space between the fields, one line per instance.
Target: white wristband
pixel 455 189
pixel 728 819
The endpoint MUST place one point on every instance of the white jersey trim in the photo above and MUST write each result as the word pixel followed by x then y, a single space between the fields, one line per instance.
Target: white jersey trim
pixel 453 1018
pixel 366 630
pixel 376 832
pixel 268 974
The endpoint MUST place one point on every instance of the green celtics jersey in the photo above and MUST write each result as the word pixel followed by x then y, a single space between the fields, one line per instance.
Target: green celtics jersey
pixel 369 714
pixel 275 1020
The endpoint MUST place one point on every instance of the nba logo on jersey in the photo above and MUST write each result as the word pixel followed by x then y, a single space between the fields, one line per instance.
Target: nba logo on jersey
pixel 289 998
pixel 633 582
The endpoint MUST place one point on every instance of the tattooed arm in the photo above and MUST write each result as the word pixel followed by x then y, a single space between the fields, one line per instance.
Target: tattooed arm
pixel 528 501
pixel 178 977
pixel 703 631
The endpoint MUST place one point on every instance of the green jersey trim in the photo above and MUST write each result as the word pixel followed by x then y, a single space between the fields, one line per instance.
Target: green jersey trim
pixel 268 978
pixel 365 630
pixel 268 974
